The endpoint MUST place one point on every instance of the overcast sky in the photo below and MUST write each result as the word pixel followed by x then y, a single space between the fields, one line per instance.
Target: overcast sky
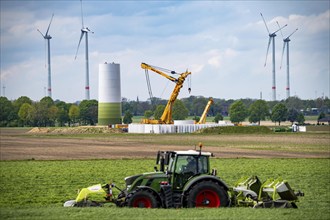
pixel 223 44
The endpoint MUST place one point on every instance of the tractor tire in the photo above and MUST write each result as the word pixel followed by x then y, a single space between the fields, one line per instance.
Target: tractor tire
pixel 142 199
pixel 207 194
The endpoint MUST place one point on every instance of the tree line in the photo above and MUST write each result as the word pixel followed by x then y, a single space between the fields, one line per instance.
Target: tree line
pixel 25 112
pixel 47 112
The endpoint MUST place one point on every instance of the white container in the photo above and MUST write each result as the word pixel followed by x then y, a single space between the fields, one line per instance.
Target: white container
pixel 184 122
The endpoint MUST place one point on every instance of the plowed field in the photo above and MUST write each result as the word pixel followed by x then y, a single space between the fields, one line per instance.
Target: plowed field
pixel 18 144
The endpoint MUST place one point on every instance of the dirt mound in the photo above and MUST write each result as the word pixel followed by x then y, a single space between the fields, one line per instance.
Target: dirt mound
pixel 76 130
pixel 39 130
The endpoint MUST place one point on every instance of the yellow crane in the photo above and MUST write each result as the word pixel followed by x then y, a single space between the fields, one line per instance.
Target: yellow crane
pixel 202 120
pixel 166 117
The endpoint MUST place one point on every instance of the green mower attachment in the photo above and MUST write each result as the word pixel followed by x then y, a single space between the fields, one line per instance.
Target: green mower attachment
pixel 273 193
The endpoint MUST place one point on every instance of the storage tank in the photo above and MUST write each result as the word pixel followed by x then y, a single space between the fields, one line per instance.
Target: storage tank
pixel 109 111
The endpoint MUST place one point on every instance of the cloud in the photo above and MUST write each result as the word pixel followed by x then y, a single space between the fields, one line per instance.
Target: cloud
pixel 219 42
pixel 310 24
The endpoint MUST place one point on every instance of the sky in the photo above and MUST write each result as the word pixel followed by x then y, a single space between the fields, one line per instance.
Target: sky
pixel 222 43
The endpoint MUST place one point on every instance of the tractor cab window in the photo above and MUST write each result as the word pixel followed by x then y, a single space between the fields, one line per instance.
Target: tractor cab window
pixel 186 167
pixel 171 163
pixel 191 164
pixel 203 165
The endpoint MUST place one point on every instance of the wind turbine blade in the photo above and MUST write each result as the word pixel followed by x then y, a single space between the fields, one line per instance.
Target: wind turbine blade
pixel 40 33
pixel 81 36
pixel 49 25
pixel 280 29
pixel 269 41
pixel 82 16
pixel 284 43
pixel 89 30
pixel 265 22
pixel 292 33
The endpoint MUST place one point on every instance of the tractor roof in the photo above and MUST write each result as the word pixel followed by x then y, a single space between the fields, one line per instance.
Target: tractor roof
pixel 193 152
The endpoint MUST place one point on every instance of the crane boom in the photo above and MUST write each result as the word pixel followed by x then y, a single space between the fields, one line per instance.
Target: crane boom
pixel 166 117
pixel 202 120
pixel 146 67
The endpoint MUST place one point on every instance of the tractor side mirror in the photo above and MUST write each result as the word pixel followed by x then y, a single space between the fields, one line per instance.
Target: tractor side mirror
pixel 162 164
pixel 158 156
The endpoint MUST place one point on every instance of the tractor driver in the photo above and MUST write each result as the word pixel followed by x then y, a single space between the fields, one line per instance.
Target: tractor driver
pixel 191 164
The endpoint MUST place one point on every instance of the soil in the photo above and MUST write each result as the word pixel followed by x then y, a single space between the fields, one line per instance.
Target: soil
pixel 20 144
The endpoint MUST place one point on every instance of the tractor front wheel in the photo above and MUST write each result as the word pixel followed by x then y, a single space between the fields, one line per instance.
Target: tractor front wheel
pixel 207 194
pixel 142 199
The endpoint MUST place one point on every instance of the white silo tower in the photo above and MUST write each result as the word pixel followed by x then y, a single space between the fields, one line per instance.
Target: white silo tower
pixel 109 111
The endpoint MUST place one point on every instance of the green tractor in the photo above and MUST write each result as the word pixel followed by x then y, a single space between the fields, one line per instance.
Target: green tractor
pixel 184 179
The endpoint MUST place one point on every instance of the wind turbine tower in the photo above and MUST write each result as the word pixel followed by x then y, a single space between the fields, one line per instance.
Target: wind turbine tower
pixel 48 37
pixel 286 42
pixel 272 39
pixel 4 91
pixel 85 31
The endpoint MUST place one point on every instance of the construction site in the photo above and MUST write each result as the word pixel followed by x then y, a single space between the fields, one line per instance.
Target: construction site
pixel 110 103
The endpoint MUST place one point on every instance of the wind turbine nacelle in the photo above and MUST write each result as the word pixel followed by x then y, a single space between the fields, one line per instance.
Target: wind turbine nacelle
pixel 86 30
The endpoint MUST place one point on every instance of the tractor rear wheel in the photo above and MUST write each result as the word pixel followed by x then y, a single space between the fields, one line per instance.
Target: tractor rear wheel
pixel 207 194
pixel 142 199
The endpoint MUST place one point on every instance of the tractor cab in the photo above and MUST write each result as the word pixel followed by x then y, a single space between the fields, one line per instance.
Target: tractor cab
pixel 181 166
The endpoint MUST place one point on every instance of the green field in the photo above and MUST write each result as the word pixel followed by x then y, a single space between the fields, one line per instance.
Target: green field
pixel 37 189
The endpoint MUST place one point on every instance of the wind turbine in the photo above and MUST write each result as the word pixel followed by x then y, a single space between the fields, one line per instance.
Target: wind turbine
pixel 272 38
pixel 85 31
pixel 48 37
pixel 286 42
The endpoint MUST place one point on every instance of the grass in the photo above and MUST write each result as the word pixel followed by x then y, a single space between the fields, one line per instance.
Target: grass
pixel 37 189
pixel 237 130
pixel 50 212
